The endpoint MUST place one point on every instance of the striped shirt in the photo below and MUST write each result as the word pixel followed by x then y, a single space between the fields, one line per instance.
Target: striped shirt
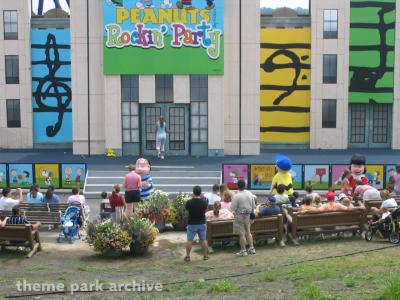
pixel 17 220
pixel 145 193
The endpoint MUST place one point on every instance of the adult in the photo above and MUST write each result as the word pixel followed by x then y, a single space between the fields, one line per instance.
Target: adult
pixel 4 222
pixel 142 168
pixel 309 192
pixel 212 196
pixel 307 207
pixel 331 205
pixel 132 184
pixel 161 137
pixel 196 207
pixel 117 203
pixel 34 195
pixel 388 204
pixel 17 219
pixel 6 202
pixel 226 200
pixel 270 209
pixel 281 197
pixel 78 199
pixel 50 196
pixel 345 200
pixel 243 206
pixel 218 213
pixel 361 189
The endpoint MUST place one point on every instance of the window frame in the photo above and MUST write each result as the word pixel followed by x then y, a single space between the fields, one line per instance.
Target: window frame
pixel 16 111
pixel 130 83
pixel 199 108
pixel 328 33
pixel 8 59
pixel 327 66
pixel 164 85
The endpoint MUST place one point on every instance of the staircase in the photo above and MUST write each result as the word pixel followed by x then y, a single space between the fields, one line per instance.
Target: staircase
pixel 170 179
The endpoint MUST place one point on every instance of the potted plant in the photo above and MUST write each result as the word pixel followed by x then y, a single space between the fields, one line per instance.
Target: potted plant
pixel 108 238
pixel 179 204
pixel 155 209
pixel 143 233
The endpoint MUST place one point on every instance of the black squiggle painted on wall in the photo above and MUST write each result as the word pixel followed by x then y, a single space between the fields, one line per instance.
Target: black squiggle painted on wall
pixel 61 91
pixel 365 79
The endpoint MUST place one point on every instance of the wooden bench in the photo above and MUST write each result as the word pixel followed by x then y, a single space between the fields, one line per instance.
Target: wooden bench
pixel 20 236
pixel 325 222
pixel 44 217
pixel 58 207
pixel 33 206
pixel 375 203
pixel 262 228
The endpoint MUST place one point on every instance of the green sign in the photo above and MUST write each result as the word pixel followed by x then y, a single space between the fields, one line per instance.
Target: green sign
pixel 163 37
pixel 372 41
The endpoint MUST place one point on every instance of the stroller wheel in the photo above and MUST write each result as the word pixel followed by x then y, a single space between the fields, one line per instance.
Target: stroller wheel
pixel 60 240
pixel 368 235
pixel 394 238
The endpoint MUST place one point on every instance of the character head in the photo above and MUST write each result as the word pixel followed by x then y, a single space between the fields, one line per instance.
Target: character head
pixel 45 173
pixel 357 164
pixel 68 171
pixel 283 163
pixel 25 174
pixel 14 173
pixel 142 167
pixel 79 171
pixel 391 172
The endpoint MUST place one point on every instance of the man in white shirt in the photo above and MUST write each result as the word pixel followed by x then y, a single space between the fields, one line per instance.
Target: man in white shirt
pixel 213 196
pixel 6 202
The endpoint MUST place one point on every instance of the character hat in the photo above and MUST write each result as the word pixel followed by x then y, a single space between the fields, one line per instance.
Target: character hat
pixel 271 198
pixel 330 195
pixel 358 159
pixel 283 162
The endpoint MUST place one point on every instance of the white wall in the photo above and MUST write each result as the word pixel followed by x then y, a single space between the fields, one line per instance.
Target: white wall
pixel 329 138
pixel 16 137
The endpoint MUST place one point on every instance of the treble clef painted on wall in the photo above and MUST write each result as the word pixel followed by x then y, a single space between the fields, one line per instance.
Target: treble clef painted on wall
pixel 51 86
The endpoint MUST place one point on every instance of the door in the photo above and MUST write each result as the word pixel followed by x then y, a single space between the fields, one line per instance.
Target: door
pixel 370 125
pixel 177 119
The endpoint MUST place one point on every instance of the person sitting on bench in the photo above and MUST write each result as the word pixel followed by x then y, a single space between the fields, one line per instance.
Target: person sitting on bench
pixel 17 219
pixel 4 222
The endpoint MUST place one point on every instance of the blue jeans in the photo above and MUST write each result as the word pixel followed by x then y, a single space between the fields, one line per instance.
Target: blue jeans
pixel 200 230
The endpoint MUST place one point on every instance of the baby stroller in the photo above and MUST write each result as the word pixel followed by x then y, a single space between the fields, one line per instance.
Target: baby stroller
pixel 70 224
pixel 389 228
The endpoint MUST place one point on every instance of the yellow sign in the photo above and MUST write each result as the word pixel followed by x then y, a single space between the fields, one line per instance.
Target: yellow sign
pixel 285 85
pixel 261 176
pixel 47 175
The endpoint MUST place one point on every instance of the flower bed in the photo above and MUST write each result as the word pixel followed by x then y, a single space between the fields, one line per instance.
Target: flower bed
pixel 179 206
pixel 143 233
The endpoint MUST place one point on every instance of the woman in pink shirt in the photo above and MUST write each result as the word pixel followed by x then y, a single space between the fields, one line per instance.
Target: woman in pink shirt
pixel 227 200
pixel 218 214
pixel 132 184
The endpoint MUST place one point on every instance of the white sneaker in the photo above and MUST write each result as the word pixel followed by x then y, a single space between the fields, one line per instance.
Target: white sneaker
pixel 162 156
pixel 242 253
pixel 251 250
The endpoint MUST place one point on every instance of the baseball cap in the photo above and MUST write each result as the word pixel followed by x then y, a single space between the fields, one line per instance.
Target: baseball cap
pixel 271 198
pixel 330 195
pixel 342 195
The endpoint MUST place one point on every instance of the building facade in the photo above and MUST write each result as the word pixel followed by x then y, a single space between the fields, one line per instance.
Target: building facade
pixel 328 80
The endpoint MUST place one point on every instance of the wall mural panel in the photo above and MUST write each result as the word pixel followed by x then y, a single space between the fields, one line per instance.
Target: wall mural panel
pixel 372 39
pixel 51 86
pixel 285 85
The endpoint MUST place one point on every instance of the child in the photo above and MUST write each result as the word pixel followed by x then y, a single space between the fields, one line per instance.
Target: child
pixel 105 208
pixel 317 201
pixel 332 190
pixel 292 199
pixel 281 197
pixel 346 187
pixel 117 203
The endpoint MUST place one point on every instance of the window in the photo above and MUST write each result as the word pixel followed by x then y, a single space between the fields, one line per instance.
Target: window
pixel 130 88
pixel 12 69
pixel 330 68
pixel 130 108
pixel 13 113
pixel 164 88
pixel 329 113
pixel 330 24
pixel 10 19
pixel 199 108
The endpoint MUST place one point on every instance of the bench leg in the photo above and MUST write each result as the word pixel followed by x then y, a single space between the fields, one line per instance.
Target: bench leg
pixel 33 251
pixel 37 239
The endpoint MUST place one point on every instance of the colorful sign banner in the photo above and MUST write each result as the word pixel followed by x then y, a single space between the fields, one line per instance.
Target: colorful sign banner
pixel 337 172
pixel 20 175
pixel 261 176
pixel 3 175
pixel 297 175
pixel 73 175
pixel 392 174
pixel 163 37
pixel 316 176
pixel 375 175
pixel 232 173
pixel 47 175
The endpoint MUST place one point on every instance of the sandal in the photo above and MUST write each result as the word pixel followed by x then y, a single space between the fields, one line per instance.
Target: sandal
pixel 187 258
pixel 205 257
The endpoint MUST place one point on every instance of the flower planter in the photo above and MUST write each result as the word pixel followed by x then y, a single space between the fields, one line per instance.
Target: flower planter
pixel 138 249
pixel 160 226
pixel 112 253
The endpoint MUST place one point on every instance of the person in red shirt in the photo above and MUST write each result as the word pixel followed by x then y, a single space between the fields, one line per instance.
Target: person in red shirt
pixel 117 203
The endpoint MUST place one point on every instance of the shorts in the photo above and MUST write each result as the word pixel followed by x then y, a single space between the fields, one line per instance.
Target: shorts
pixel 241 226
pixel 132 196
pixel 200 230
pixel 160 142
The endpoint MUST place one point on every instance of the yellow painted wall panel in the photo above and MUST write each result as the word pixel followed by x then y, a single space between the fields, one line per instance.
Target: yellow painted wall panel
pixel 285 79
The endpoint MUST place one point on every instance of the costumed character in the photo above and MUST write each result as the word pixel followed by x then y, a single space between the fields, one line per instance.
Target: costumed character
pixel 166 4
pixel 142 4
pixel 357 168
pixel 143 169
pixel 284 176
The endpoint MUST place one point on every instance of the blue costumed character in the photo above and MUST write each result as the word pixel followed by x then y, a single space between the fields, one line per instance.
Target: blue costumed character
pixel 283 177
